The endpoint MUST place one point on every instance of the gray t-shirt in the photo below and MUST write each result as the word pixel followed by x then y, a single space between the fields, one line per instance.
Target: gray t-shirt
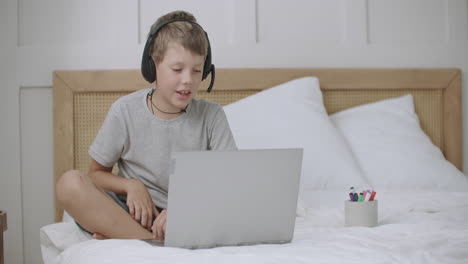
pixel 142 143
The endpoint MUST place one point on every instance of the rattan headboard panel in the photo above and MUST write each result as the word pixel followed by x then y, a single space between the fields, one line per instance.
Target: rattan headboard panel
pixel 82 99
pixel 90 109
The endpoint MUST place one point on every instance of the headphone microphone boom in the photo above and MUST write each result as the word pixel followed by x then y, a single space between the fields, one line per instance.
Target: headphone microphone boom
pixel 148 68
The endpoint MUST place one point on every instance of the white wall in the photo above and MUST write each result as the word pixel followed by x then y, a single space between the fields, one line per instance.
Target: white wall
pixel 38 37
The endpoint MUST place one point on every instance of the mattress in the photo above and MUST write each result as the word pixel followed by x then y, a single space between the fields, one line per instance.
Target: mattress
pixel 413 227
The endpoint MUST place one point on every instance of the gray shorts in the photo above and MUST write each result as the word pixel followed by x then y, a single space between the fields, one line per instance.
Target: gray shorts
pixel 121 201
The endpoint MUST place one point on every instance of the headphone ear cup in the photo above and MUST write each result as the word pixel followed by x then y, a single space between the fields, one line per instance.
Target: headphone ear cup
pixel 207 70
pixel 148 69
pixel 207 67
pixel 212 71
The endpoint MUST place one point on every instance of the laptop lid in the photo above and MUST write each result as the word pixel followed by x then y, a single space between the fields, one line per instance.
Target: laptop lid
pixel 222 198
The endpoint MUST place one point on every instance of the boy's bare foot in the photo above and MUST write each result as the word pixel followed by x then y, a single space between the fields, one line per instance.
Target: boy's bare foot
pixel 99 236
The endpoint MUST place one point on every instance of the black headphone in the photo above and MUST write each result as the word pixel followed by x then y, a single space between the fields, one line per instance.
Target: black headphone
pixel 148 68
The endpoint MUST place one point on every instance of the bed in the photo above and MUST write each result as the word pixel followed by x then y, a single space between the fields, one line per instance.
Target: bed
pixel 398 131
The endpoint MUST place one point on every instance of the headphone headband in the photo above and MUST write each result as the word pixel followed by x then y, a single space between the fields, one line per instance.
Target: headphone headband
pixel 148 67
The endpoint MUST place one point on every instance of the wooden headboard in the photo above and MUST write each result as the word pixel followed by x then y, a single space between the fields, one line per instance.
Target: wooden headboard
pixel 82 98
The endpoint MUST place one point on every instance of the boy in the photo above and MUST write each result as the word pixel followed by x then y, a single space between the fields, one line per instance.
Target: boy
pixel 140 132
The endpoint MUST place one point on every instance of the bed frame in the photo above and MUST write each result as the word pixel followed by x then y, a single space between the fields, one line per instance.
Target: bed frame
pixel 82 98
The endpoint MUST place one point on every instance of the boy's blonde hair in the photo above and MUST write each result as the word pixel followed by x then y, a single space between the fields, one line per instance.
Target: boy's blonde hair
pixel 190 36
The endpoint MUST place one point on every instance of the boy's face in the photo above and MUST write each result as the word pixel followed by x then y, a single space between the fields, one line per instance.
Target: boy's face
pixel 178 78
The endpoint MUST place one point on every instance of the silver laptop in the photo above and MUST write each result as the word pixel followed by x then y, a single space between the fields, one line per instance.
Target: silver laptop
pixel 228 198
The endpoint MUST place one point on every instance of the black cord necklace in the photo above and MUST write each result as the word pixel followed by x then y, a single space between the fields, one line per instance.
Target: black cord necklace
pixel 150 95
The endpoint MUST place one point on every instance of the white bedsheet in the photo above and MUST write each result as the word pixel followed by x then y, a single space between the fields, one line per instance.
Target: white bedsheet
pixel 414 227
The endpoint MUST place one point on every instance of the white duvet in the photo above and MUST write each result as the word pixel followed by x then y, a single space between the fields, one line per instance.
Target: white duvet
pixel 414 227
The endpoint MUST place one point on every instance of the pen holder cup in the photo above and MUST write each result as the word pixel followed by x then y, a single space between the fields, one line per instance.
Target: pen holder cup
pixel 361 213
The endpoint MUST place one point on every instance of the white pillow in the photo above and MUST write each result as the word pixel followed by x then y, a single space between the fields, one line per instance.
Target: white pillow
pixel 57 237
pixel 292 115
pixel 392 149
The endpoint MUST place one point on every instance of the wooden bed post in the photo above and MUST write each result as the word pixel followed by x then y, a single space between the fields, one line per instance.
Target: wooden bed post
pixel 453 135
pixel 63 134
pixel 3 228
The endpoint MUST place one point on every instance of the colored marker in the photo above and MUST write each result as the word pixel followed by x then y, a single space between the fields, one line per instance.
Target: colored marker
pixel 360 197
pixel 355 197
pixel 372 196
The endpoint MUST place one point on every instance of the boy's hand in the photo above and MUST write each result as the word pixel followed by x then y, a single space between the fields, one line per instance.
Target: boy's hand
pixel 140 203
pixel 159 226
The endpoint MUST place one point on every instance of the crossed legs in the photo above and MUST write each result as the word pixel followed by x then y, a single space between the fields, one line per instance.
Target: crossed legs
pixel 95 210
